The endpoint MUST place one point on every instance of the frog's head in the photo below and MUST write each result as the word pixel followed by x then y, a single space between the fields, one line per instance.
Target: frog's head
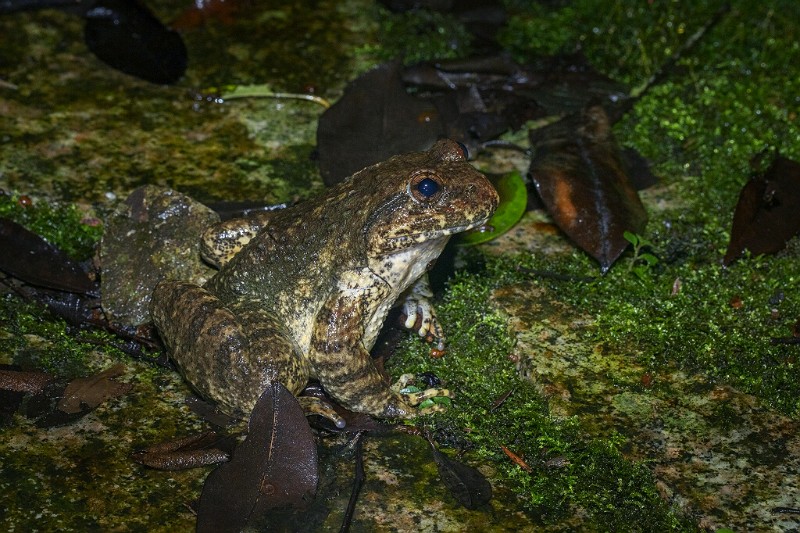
pixel 424 197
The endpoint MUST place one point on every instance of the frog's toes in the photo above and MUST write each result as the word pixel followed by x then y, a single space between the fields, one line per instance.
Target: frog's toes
pixel 431 407
pixel 315 406
pixel 402 382
pixel 421 317
pixel 414 397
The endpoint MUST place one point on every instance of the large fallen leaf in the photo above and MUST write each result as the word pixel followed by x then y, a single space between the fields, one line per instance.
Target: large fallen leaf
pixel 274 469
pixel 768 212
pixel 578 173
pixel 375 119
pixel 125 35
pixel 391 109
pixel 467 485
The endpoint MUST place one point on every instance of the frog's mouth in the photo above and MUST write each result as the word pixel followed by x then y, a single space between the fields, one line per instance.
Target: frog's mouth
pixel 407 240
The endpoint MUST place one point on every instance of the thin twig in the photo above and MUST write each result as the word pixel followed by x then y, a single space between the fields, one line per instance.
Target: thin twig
pixel 785 340
pixel 358 482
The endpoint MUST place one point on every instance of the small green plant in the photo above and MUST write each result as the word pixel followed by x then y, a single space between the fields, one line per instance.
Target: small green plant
pixel 642 261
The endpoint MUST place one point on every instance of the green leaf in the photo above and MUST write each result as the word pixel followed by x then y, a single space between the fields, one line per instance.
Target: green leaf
pixel 513 202
pixel 631 237
pixel 650 259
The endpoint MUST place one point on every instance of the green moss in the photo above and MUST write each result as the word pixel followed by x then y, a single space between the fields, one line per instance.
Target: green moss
pixel 35 339
pixel 719 323
pixel 63 225
pixel 731 97
pixel 570 472
pixel 418 35
pixel 628 41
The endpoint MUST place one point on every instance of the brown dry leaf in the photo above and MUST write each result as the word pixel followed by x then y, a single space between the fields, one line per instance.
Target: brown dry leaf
pixel 273 470
pixel 580 177
pixel 187 452
pixel 768 211
pixel 375 119
pixel 93 390
pixel 30 258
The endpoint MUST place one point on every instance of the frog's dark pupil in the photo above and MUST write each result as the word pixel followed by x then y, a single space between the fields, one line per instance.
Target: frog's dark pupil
pixel 427 187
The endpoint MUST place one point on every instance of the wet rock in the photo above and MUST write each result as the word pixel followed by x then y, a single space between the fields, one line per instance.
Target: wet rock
pixel 154 234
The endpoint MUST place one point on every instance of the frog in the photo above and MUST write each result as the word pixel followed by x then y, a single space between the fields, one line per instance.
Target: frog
pixel 302 292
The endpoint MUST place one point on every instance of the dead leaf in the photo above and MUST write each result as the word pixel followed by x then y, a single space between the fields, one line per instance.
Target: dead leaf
pixel 579 176
pixel 391 110
pixel 767 214
pixel 93 391
pixel 275 468
pixel 128 37
pixel 28 257
pixel 467 485
pixel 188 452
pixel 375 119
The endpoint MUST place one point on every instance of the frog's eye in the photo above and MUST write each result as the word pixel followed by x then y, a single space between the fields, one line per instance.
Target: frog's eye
pixel 427 187
pixel 424 186
pixel 464 150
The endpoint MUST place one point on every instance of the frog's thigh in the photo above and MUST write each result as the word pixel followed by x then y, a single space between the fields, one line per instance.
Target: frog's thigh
pixel 270 349
pixel 228 358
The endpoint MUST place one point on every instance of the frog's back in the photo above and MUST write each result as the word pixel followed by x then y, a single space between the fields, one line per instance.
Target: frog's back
pixel 290 267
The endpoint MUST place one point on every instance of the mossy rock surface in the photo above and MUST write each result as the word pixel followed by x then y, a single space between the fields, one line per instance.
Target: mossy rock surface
pixel 639 402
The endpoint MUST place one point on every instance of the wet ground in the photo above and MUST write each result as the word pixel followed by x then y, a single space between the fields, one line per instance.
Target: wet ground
pixel 73 130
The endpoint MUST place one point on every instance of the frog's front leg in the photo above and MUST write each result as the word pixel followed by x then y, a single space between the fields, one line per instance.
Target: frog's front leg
pixel 344 366
pixel 222 241
pixel 229 354
pixel 420 313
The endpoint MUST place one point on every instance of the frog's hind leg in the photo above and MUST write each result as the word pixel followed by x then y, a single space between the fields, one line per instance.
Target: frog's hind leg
pixel 229 354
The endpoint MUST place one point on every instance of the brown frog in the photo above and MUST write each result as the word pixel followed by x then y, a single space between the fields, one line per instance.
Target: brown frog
pixel 302 292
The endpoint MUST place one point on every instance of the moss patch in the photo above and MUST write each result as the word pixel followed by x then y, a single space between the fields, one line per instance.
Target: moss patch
pixel 568 472
pixel 730 98
pixel 692 315
pixel 67 227
pixel 418 35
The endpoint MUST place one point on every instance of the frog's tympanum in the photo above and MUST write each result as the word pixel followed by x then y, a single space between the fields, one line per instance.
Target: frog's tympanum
pixel 302 292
